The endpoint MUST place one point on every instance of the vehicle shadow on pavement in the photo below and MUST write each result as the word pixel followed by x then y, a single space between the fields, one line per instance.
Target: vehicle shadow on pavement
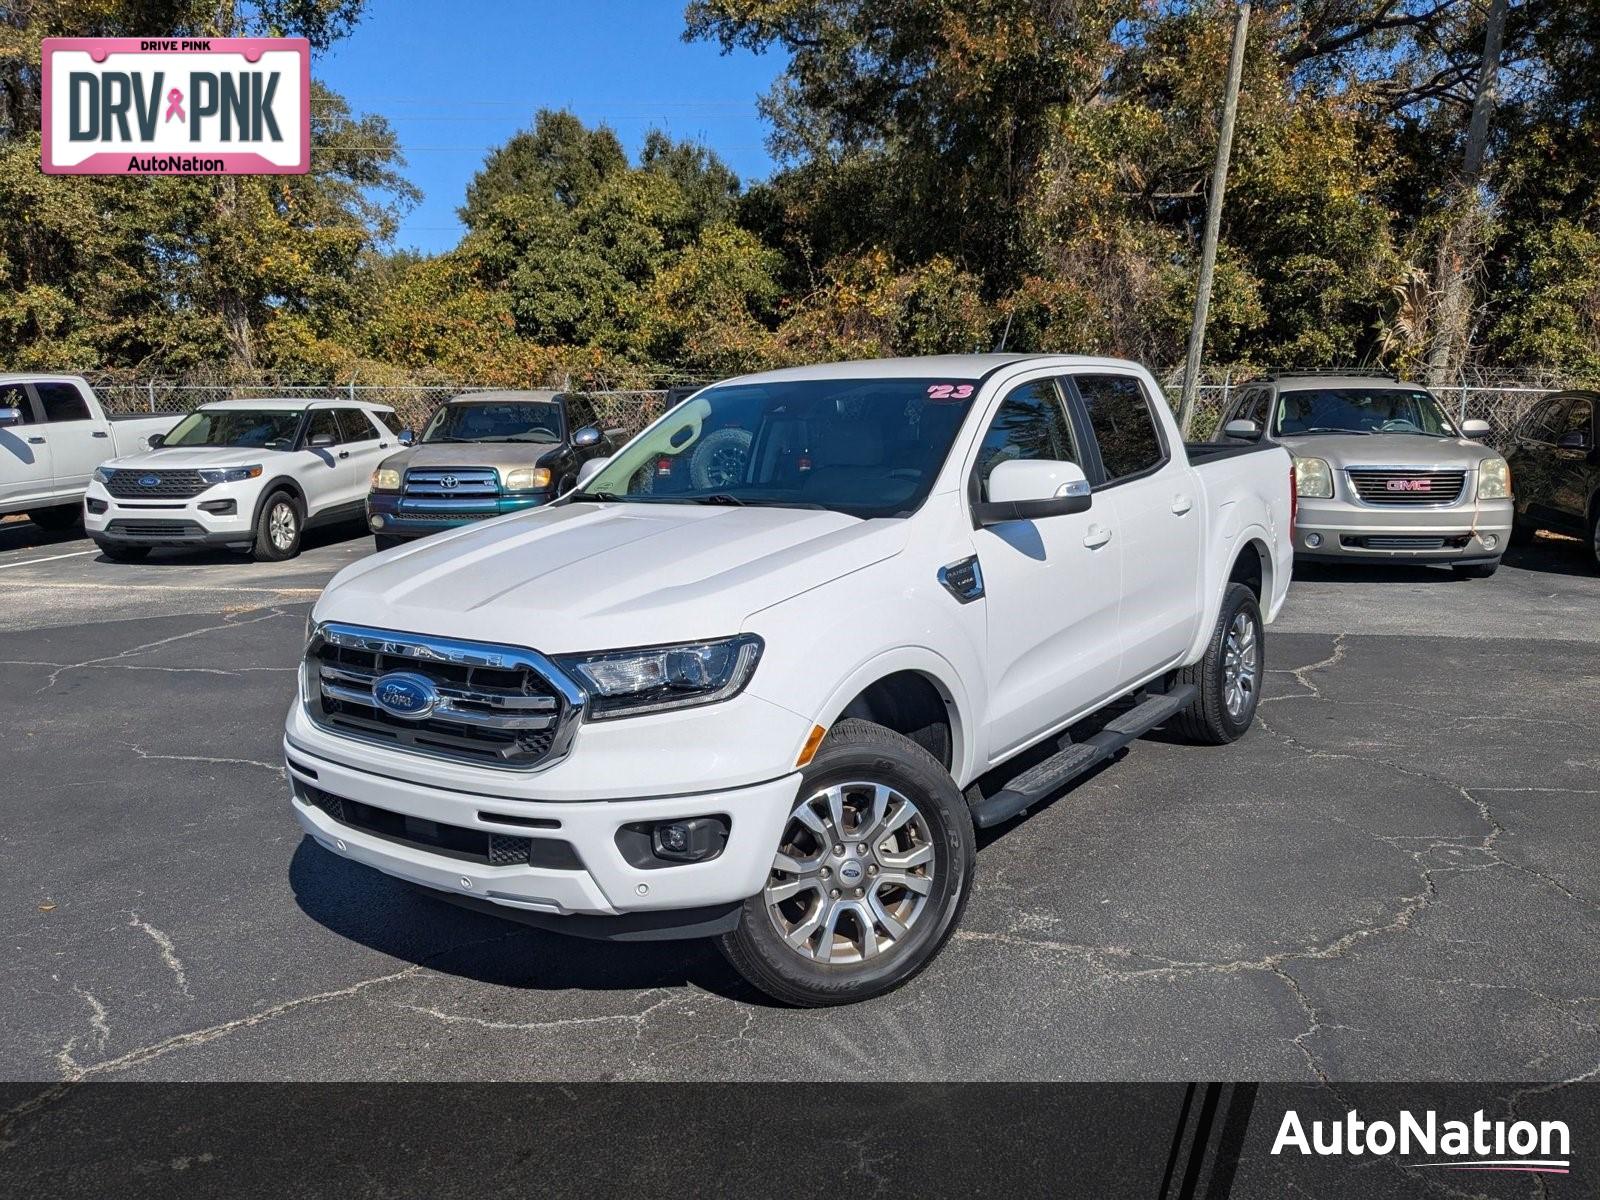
pixel 211 556
pixel 405 922
pixel 25 535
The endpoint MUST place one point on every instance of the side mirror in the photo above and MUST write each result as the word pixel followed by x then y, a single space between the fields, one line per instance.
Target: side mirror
pixel 1032 489
pixel 10 416
pixel 406 437
pixel 1242 428
pixel 1573 439
pixel 320 441
pixel 586 437
pixel 156 440
pixel 590 469
pixel 1475 429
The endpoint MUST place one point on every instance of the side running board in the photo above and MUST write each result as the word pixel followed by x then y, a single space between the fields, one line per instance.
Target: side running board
pixel 1042 779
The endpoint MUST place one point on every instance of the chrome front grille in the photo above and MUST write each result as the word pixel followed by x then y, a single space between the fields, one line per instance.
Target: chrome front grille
pixel 1406 487
pixel 488 705
pixel 448 490
pixel 162 485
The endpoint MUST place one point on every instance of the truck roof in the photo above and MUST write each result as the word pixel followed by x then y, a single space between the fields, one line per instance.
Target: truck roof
pixel 1300 383
pixel 956 366
pixel 536 396
pixel 41 377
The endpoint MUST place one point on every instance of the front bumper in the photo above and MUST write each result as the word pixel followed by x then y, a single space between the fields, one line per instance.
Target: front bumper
pixel 1338 529
pixel 595 879
pixel 393 514
pixel 171 522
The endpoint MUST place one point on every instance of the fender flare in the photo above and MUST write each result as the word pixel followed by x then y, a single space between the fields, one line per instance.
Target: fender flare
pixel 945 679
pixel 279 483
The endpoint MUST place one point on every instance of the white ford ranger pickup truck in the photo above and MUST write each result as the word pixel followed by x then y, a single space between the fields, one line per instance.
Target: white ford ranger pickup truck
pixel 928 594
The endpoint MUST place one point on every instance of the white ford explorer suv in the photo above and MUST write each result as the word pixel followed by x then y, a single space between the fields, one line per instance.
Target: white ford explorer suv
pixel 774 709
pixel 250 474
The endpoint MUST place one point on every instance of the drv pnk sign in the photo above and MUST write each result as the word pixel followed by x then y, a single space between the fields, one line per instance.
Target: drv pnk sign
pixel 177 106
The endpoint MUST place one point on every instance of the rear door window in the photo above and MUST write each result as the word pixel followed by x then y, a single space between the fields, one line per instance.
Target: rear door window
pixel 1124 427
pixel 355 425
pixel 61 402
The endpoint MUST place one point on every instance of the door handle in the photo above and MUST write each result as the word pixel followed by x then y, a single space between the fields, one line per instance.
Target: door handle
pixel 35 441
pixel 344 454
pixel 100 433
pixel 1181 504
pixel 383 445
pixel 1097 536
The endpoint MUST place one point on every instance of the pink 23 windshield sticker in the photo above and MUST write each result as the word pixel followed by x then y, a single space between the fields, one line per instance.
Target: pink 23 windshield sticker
pixel 176 106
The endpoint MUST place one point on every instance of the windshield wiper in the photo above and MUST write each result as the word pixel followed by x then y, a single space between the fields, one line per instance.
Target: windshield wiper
pixel 719 498
pixel 601 497
pixel 1330 429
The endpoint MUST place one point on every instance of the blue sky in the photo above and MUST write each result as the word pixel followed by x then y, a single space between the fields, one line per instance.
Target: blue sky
pixel 458 78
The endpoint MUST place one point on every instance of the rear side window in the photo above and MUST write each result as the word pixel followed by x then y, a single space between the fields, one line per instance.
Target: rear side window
pixel 1030 423
pixel 356 426
pixel 1123 424
pixel 61 402
pixel 14 395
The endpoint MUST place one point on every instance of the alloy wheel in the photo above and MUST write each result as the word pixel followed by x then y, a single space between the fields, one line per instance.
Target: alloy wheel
pixel 1240 665
pixel 281 525
pixel 852 875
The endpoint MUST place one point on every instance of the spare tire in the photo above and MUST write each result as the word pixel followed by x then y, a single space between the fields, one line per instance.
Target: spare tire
pixel 718 461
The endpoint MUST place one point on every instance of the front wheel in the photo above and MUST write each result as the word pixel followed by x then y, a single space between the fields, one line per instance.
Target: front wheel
pixel 1229 676
pixel 1475 570
pixel 278 528
pixel 122 552
pixel 58 519
pixel 869 878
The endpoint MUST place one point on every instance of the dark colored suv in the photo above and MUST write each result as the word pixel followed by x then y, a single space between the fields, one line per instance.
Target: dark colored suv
pixel 1556 464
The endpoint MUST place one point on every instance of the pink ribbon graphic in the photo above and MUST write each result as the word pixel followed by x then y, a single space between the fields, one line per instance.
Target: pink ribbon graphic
pixel 174 106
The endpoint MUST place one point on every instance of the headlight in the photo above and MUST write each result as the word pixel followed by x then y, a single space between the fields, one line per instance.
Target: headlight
pixel 104 474
pixel 1313 478
pixel 1494 479
pixel 386 479
pixel 626 683
pixel 527 479
pixel 229 474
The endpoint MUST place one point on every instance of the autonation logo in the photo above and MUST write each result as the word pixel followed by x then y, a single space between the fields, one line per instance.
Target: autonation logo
pixel 1476 1145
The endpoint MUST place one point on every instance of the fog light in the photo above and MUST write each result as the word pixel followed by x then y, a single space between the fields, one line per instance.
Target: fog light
pixel 220 508
pixel 376 522
pixel 693 840
pixel 1313 540
pixel 95 506
pixel 1489 541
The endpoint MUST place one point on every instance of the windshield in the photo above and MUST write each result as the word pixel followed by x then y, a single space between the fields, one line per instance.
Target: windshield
pixel 866 447
pixel 256 429
pixel 1361 410
pixel 497 421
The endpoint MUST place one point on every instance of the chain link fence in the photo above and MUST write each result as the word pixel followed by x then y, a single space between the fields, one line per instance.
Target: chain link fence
pixel 1500 398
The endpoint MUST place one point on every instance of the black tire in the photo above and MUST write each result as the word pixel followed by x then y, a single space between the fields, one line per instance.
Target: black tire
pixel 1208 720
pixel 1475 570
pixel 58 519
pixel 275 545
pixel 1522 532
pixel 1594 533
pixel 861 752
pixel 122 552
pixel 387 541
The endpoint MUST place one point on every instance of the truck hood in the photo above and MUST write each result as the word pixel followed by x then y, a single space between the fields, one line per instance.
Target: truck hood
pixel 503 456
pixel 577 577
pixel 1342 450
pixel 187 457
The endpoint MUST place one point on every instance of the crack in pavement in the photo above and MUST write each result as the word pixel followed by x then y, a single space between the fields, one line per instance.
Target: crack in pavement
pixel 227 622
pixel 276 768
pixel 1301 674
pixel 169 952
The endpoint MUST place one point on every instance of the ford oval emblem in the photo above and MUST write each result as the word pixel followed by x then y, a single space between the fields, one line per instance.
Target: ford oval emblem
pixel 149 480
pixel 403 694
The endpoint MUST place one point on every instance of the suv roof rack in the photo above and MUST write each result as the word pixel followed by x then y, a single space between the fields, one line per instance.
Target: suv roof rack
pixel 1313 372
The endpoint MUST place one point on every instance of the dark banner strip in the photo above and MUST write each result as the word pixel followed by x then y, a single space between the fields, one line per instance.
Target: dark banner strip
pixel 1162 1141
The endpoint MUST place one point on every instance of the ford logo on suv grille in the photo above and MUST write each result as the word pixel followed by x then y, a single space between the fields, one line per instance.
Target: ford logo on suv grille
pixel 403 694
pixel 149 480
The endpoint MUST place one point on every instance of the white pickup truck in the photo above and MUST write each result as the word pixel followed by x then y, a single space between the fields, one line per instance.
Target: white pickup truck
pixel 929 594
pixel 53 434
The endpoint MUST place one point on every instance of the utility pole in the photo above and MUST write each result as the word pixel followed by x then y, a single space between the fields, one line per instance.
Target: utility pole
pixel 1208 246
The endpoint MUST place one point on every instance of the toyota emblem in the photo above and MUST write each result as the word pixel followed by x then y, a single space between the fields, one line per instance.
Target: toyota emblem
pixel 448 481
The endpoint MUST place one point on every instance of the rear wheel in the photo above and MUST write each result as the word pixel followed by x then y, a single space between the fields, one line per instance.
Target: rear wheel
pixel 55 520
pixel 869 879
pixel 1229 676
pixel 121 552
pixel 278 528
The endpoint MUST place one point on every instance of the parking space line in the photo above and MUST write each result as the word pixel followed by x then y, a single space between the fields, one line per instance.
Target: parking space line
pixel 53 558
pixel 159 587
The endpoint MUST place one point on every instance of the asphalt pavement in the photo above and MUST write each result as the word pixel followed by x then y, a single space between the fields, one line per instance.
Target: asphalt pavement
pixel 1392 876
